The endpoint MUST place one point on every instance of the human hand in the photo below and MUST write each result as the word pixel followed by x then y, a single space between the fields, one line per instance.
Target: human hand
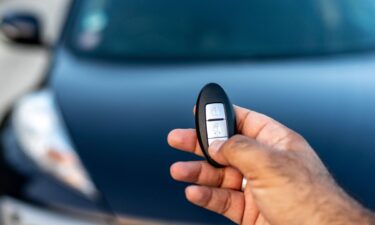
pixel 287 182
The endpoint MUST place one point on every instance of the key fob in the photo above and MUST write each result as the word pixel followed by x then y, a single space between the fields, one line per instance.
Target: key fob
pixel 214 118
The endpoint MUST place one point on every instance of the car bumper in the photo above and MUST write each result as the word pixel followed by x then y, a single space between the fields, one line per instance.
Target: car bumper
pixel 16 212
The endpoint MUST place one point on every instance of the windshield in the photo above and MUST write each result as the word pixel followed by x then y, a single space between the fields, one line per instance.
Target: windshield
pixel 220 29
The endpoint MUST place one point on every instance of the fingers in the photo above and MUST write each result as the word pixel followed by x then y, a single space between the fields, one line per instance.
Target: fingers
pixel 185 140
pixel 253 124
pixel 250 123
pixel 226 202
pixel 200 172
pixel 246 116
pixel 243 153
pixel 261 127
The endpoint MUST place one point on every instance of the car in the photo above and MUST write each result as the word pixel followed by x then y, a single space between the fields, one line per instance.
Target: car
pixel 90 144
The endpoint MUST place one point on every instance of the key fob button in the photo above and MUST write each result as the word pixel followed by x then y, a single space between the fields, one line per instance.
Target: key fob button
pixel 210 140
pixel 215 111
pixel 217 129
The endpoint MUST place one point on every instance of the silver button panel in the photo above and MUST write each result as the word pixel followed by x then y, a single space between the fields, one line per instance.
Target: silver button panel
pixel 215 111
pixel 216 122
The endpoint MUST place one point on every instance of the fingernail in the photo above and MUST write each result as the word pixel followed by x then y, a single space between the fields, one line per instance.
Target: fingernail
pixel 215 146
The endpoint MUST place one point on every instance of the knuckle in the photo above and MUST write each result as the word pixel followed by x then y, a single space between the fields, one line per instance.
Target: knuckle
pixel 293 141
pixel 227 203
pixel 221 178
pixel 199 173
pixel 206 201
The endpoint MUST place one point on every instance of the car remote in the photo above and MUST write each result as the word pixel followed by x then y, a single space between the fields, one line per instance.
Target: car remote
pixel 214 118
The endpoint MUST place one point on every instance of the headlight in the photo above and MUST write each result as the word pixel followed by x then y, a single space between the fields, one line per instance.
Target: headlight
pixel 43 137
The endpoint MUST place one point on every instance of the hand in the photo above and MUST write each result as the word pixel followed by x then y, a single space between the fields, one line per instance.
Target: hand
pixel 287 182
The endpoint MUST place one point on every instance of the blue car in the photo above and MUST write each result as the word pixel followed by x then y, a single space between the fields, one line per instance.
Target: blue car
pixel 89 146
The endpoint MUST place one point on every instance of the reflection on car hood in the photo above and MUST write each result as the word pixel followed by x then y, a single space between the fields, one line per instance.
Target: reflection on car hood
pixel 119 117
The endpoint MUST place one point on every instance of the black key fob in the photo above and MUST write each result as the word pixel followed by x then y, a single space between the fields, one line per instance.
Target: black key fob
pixel 214 118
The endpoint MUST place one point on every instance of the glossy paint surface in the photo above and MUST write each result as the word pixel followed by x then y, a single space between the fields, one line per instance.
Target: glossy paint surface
pixel 119 115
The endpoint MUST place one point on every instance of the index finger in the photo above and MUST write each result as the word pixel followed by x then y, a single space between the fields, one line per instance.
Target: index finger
pixel 260 127
pixel 251 123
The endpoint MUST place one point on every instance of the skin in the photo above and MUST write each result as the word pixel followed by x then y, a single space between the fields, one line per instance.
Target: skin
pixel 287 182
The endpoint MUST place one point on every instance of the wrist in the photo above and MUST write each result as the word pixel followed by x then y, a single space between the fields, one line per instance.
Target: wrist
pixel 339 208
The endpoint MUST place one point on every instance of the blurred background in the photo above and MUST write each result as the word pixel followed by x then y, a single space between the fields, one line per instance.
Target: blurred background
pixel 22 67
pixel 89 90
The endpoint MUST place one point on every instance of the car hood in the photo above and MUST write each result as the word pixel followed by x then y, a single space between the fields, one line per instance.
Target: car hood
pixel 119 115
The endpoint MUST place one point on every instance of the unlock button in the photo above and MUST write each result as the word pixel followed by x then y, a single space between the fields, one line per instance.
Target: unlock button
pixel 215 111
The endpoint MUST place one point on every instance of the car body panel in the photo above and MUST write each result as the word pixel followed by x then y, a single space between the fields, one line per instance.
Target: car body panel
pixel 119 115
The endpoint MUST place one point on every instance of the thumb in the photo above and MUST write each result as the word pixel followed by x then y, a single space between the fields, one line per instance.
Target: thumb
pixel 243 153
